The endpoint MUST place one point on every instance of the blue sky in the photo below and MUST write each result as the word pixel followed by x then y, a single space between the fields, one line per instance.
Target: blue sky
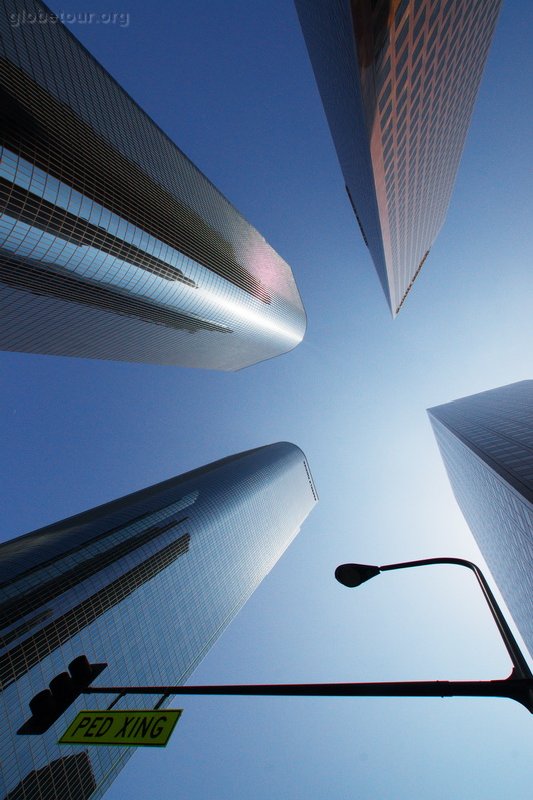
pixel 231 83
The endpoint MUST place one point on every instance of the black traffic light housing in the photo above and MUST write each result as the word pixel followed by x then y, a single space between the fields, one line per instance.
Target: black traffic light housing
pixel 47 706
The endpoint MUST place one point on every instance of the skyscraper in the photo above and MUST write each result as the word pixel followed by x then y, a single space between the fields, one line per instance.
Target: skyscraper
pixel 112 243
pixel 486 442
pixel 398 80
pixel 145 583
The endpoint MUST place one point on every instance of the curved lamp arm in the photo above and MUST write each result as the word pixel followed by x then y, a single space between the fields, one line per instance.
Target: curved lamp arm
pixel 354 574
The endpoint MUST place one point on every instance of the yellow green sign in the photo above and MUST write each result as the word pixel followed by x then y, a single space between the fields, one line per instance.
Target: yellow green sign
pixel 124 728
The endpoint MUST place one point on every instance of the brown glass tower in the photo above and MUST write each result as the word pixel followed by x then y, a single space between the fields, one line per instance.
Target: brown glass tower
pixel 398 80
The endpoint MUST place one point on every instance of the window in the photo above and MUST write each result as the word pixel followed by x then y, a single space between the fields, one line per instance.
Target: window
pixel 401 82
pixel 386 114
pixel 400 63
pixel 387 137
pixel 431 39
pixel 399 12
pixel 434 14
pixel 400 39
pixel 385 96
pixel 401 100
pixel 418 48
pixel 419 24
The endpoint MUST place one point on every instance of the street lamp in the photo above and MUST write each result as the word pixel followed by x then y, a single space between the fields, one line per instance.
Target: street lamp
pixel 46 707
pixel 352 575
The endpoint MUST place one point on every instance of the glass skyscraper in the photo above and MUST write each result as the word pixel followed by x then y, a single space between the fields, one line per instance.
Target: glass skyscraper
pixel 398 81
pixel 486 442
pixel 113 244
pixel 145 583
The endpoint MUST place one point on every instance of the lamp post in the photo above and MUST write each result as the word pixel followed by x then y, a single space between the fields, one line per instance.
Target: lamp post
pixel 49 704
pixel 518 686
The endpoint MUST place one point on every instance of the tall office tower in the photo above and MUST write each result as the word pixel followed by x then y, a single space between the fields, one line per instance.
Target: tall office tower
pixel 398 80
pixel 112 243
pixel 145 583
pixel 486 442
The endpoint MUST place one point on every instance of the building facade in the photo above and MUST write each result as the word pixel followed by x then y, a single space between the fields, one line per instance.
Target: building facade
pixel 112 243
pixel 145 583
pixel 398 81
pixel 486 442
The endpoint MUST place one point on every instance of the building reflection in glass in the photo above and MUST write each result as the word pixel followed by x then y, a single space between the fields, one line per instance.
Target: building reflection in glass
pixel 112 243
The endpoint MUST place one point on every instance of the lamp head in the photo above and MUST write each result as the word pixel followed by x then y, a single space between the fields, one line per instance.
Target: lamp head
pixel 352 575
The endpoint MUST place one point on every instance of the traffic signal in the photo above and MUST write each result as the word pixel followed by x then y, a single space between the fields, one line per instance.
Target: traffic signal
pixel 47 706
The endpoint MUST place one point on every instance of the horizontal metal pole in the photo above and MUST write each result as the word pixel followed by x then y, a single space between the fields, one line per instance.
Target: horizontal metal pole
pixel 515 689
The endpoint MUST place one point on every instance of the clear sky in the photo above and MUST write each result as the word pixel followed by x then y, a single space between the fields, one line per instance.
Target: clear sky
pixel 231 83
